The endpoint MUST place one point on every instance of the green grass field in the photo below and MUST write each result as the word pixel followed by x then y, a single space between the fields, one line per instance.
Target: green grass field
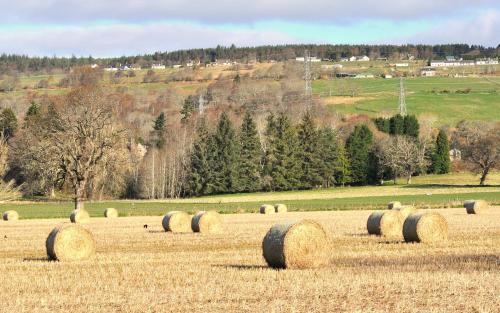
pixel 437 96
pixel 436 191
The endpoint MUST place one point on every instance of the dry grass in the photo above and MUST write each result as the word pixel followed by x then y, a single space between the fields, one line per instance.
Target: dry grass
pixel 149 270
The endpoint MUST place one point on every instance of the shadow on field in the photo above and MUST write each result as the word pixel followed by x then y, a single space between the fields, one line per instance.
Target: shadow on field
pixel 431 262
pixel 156 231
pixel 441 186
pixel 36 259
pixel 240 266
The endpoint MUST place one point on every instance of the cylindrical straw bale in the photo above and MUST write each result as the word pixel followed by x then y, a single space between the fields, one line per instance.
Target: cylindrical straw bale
pixel 70 242
pixel 79 216
pixel 476 206
pixel 267 209
pixel 425 227
pixel 298 245
pixel 110 213
pixel 280 208
pixel 177 222
pixel 206 222
pixel 394 205
pixel 387 223
pixel 10 215
pixel 406 210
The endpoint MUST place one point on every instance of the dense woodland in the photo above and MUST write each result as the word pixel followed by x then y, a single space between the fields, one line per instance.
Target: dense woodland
pixel 96 143
pixel 23 63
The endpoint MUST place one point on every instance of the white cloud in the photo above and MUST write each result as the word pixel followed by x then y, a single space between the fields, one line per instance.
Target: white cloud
pixel 482 30
pixel 228 11
pixel 116 40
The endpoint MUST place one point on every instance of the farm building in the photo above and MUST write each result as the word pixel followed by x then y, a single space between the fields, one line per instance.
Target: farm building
pixel 158 67
pixel 455 154
pixel 312 59
pixel 442 63
pixel 487 62
pixel 428 72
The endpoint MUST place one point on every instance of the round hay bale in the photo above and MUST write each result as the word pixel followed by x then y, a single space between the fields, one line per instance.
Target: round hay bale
pixel 110 213
pixel 297 245
pixel 385 223
pixel 406 210
pixel 70 242
pixel 10 215
pixel 476 206
pixel 280 208
pixel 425 227
pixel 79 216
pixel 206 222
pixel 267 209
pixel 177 222
pixel 394 205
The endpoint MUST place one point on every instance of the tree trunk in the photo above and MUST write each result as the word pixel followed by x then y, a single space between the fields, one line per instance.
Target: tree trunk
pixel 79 196
pixel 52 192
pixel 408 180
pixel 484 173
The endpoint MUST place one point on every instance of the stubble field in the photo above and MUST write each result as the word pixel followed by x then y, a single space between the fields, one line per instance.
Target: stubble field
pixel 147 270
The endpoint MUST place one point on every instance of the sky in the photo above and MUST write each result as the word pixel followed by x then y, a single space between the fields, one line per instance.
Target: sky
pixel 106 28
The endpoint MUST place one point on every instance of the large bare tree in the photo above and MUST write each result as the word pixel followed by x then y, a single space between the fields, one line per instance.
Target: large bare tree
pixel 479 146
pixel 84 137
pixel 402 155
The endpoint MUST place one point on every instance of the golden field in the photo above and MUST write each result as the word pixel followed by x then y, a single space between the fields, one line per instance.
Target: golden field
pixel 147 270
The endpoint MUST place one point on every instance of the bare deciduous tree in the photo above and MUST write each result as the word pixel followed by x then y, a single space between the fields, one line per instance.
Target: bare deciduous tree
pixel 403 156
pixel 84 137
pixel 479 145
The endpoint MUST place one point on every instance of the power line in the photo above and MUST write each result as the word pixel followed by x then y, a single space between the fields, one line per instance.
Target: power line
pixel 402 100
pixel 307 78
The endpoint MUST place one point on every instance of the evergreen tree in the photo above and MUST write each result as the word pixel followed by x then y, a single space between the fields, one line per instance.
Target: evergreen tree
pixel 309 153
pixel 8 123
pixel 441 157
pixel 329 153
pixel 411 126
pixel 223 157
pixel 342 167
pixel 159 129
pixel 358 148
pixel 249 157
pixel 199 173
pixel 383 124
pixel 33 115
pixel 282 167
pixel 396 125
pixel 189 105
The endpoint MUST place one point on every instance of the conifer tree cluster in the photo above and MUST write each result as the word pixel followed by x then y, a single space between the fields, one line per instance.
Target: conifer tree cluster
pixel 289 157
pixel 399 125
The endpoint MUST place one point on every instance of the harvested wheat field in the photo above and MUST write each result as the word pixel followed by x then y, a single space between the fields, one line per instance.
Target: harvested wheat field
pixel 149 270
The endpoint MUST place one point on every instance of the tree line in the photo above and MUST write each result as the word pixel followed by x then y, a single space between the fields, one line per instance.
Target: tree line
pixel 24 63
pixel 76 144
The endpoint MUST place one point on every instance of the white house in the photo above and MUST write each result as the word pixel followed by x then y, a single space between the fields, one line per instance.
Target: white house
pixel 363 58
pixel 312 59
pixel 427 72
pixel 158 66
pixel 401 65
pixel 441 63
pixel 487 62
pixel 176 66
pixel 353 59
pixel 455 155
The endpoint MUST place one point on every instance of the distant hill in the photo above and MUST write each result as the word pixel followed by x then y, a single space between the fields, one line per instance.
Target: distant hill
pixel 23 63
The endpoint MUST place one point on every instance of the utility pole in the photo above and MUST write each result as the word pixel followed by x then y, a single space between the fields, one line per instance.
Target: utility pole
pixel 201 104
pixel 307 78
pixel 402 100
